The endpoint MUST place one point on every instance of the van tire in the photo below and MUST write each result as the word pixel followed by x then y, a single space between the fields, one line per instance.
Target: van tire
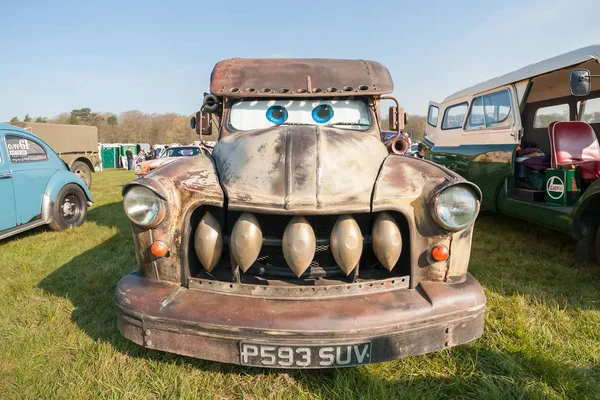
pixel 69 209
pixel 597 247
pixel 586 248
pixel 82 170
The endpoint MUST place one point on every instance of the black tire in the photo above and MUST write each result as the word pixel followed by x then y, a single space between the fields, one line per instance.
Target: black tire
pixel 586 248
pixel 82 170
pixel 69 209
pixel 598 245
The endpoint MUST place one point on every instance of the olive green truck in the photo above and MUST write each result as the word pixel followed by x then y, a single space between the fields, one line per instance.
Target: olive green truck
pixel 76 145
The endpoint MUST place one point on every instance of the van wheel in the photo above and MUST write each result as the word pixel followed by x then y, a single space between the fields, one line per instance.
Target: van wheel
pixel 586 248
pixel 69 209
pixel 81 169
pixel 598 245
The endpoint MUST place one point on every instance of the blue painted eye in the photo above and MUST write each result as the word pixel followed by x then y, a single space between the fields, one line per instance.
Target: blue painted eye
pixel 322 113
pixel 277 114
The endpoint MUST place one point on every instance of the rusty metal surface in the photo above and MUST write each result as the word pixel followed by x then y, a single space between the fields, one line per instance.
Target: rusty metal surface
pixel 294 77
pixel 299 169
pixel 163 316
pixel 324 291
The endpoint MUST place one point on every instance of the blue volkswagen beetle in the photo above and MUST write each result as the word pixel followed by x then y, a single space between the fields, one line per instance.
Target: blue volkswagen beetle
pixel 36 187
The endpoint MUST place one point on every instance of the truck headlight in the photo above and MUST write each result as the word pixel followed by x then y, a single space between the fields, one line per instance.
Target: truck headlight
pixel 455 207
pixel 143 207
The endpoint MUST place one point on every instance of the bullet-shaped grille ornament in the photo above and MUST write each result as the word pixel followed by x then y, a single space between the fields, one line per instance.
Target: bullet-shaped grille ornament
pixel 246 241
pixel 208 241
pixel 346 243
pixel 387 240
pixel 299 244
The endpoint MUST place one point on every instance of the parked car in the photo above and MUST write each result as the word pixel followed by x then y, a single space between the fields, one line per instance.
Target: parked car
pixel 36 186
pixel 167 156
pixel 300 242
pixel 530 144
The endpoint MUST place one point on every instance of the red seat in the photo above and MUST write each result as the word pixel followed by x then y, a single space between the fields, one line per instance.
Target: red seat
pixel 575 143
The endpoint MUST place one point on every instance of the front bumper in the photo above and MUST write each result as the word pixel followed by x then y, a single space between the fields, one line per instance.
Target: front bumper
pixel 166 316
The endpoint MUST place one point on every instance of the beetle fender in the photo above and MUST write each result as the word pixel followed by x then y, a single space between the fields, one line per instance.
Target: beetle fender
pixel 61 178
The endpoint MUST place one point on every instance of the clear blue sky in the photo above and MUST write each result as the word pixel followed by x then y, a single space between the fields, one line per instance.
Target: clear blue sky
pixel 157 56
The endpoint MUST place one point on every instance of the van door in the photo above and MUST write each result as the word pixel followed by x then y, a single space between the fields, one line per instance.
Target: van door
pixel 443 138
pixel 8 216
pixel 488 142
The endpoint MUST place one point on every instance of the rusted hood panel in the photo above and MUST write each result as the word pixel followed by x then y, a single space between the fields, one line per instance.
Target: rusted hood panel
pixel 406 184
pixel 187 180
pixel 299 169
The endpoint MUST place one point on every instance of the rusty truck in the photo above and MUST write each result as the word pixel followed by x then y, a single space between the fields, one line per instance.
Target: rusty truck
pixel 300 242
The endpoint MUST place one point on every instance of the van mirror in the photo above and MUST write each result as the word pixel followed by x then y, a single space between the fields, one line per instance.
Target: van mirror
pixel 393 118
pixel 580 82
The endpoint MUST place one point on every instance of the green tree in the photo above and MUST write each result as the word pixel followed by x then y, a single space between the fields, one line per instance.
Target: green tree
pixel 27 118
pixel 112 120
pixel 14 119
pixel 84 116
pixel 42 120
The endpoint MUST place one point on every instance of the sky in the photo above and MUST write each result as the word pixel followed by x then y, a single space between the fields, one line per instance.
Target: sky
pixel 156 57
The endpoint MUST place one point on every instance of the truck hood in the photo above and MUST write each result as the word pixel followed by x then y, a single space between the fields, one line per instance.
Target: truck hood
pixel 299 169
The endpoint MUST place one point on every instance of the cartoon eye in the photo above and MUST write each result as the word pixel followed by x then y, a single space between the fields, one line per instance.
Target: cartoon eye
pixel 277 115
pixel 322 113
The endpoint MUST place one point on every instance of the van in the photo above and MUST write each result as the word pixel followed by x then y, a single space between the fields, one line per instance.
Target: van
pixel 529 140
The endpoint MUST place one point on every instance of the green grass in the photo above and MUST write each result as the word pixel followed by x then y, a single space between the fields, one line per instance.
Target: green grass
pixel 58 334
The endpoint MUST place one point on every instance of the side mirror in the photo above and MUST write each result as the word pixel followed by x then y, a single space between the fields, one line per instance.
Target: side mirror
pixel 206 125
pixel 393 119
pixel 580 82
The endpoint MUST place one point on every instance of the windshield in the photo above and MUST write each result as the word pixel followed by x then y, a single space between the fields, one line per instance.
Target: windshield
pixel 181 152
pixel 260 114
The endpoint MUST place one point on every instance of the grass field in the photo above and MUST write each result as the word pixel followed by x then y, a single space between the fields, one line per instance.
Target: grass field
pixel 59 337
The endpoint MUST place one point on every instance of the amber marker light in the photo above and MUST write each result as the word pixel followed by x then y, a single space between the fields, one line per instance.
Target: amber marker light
pixel 439 253
pixel 159 249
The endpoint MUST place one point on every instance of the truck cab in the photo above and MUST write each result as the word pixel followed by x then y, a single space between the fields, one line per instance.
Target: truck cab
pixel 530 142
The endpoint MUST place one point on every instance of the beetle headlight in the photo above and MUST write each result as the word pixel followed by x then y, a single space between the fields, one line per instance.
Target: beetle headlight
pixel 455 207
pixel 143 207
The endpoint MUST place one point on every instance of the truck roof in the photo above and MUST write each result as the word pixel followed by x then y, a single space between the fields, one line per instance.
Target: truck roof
pixel 299 77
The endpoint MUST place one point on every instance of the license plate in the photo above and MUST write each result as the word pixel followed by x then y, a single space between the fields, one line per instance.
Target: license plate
pixel 304 356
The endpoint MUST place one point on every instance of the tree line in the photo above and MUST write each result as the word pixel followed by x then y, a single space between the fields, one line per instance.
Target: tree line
pixel 138 127
pixel 127 127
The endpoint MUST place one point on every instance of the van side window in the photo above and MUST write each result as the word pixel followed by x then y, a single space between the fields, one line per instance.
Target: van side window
pixel 23 150
pixel 491 110
pixel 432 115
pixel 454 116
pixel 590 110
pixel 545 115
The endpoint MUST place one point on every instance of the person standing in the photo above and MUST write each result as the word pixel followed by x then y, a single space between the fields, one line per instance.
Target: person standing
pixel 129 155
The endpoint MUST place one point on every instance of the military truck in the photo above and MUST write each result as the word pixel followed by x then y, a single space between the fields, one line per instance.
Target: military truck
pixel 76 145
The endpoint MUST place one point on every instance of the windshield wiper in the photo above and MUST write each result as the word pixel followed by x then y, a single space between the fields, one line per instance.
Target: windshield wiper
pixel 294 124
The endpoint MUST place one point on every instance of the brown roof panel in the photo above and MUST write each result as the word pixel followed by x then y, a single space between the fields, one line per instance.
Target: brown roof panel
pixel 299 77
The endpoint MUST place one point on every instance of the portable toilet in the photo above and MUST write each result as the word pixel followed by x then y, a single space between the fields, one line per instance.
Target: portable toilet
pixel 129 146
pixel 110 156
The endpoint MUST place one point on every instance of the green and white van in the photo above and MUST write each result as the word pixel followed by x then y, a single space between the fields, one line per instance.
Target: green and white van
pixel 503 135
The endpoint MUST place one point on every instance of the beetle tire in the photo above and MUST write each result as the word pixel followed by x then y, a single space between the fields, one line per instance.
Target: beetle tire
pixel 81 169
pixel 76 208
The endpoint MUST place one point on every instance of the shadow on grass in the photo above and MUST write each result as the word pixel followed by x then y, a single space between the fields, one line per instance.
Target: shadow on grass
pixel 514 257
pixel 89 280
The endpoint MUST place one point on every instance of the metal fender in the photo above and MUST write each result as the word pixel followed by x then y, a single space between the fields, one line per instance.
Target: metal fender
pixel 61 178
